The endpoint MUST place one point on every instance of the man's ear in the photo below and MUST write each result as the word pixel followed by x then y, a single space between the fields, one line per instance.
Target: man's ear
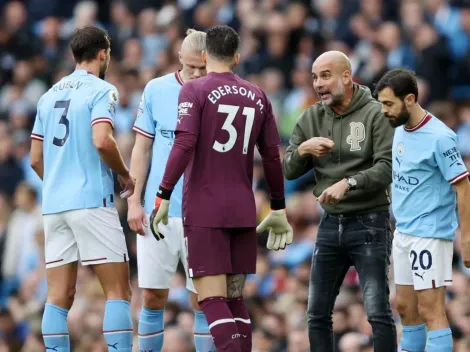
pixel 204 57
pixel 346 77
pixel 179 57
pixel 236 60
pixel 410 99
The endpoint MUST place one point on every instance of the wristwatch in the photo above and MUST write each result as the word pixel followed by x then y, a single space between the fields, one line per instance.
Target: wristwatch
pixel 352 183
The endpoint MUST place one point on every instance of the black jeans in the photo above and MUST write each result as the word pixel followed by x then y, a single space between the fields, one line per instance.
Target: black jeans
pixel 364 241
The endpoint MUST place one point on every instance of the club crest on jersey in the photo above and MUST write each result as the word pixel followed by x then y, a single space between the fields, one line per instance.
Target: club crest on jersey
pixel 113 99
pixel 113 96
pixel 400 149
pixel 111 108
pixel 358 135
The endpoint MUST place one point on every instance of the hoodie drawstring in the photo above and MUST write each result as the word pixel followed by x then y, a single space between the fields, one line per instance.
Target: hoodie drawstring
pixel 332 132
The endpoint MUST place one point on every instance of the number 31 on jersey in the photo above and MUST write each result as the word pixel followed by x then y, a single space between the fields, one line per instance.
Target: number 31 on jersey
pixel 231 111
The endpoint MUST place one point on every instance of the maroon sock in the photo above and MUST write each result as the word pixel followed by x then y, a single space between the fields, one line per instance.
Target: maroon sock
pixel 242 318
pixel 221 324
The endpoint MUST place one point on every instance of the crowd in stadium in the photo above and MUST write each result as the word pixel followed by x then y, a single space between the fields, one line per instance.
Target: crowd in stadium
pixel 279 41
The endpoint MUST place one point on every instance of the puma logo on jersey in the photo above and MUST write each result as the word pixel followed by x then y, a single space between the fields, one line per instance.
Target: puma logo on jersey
pixel 358 135
pixel 421 276
pixel 114 345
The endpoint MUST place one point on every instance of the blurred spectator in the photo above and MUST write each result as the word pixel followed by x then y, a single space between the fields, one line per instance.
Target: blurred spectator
pixel 84 13
pixel 122 26
pixel 10 170
pixel 24 87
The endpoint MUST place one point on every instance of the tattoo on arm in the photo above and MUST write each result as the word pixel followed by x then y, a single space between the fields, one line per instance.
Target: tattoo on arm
pixel 235 284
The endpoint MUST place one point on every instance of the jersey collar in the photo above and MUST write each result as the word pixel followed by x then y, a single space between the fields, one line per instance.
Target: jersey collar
pixel 82 72
pixel 178 77
pixel 421 123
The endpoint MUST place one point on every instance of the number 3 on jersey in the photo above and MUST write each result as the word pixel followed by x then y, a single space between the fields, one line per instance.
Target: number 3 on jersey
pixel 62 104
pixel 231 111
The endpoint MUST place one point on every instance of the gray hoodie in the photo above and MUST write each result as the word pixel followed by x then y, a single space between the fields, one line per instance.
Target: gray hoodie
pixel 363 148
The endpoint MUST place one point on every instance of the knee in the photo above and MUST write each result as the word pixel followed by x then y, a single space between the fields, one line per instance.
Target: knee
pixel 430 311
pixel 120 292
pixel 63 299
pixel 155 299
pixel 402 307
pixel 316 314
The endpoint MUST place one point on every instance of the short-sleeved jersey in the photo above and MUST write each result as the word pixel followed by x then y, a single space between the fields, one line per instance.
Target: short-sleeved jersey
pixel 426 162
pixel 229 116
pixel 156 119
pixel 75 177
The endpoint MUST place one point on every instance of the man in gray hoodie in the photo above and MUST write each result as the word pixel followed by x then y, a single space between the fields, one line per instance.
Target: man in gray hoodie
pixel 347 141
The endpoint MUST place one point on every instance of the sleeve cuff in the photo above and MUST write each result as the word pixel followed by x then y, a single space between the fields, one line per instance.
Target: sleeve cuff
pixel 143 132
pixel 101 120
pixel 278 204
pixel 297 157
pixel 360 179
pixel 164 193
pixel 37 137
pixel 459 177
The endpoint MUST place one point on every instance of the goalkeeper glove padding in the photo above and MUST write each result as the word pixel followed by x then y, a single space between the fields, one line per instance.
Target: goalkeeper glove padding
pixel 280 231
pixel 160 212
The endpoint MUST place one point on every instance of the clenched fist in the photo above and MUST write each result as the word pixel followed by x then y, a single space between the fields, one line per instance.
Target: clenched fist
pixel 317 146
pixel 334 193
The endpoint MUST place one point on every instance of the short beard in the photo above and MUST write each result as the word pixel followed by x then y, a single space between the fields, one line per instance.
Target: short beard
pixel 402 118
pixel 337 100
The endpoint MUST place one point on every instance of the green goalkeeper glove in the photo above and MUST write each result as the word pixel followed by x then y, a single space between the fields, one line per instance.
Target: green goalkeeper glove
pixel 280 232
pixel 160 212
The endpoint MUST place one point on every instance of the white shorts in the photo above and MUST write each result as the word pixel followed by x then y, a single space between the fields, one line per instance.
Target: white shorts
pixel 422 262
pixel 158 260
pixel 93 236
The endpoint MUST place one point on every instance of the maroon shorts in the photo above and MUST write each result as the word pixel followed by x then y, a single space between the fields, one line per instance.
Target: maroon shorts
pixel 214 251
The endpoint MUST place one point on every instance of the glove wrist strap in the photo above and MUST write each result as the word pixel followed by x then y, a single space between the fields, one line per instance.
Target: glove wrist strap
pixel 164 193
pixel 278 204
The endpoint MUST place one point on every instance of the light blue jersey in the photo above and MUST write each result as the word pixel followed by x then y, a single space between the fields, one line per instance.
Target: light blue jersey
pixel 156 119
pixel 426 162
pixel 75 177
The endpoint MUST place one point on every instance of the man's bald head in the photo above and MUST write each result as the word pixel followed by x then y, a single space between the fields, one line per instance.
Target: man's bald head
pixel 335 59
pixel 332 79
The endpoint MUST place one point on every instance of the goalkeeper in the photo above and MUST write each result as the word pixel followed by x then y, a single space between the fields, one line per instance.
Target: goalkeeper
pixel 221 118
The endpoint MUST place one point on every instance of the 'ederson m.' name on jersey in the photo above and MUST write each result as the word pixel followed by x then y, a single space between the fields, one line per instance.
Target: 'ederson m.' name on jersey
pixel 426 163
pixel 156 119
pixel 75 177
pixel 224 90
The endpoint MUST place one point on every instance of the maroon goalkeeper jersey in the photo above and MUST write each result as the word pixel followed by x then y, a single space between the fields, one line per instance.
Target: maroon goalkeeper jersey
pixel 221 118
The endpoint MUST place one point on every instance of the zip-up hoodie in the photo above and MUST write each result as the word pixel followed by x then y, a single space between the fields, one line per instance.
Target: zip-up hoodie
pixel 363 141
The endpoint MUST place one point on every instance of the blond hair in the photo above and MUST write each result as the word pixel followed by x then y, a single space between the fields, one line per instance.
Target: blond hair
pixel 195 41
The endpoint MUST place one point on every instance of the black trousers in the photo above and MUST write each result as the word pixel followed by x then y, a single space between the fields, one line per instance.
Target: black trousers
pixel 364 241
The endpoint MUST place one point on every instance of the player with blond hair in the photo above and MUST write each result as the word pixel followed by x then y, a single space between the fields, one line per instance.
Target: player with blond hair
pixel 157 258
